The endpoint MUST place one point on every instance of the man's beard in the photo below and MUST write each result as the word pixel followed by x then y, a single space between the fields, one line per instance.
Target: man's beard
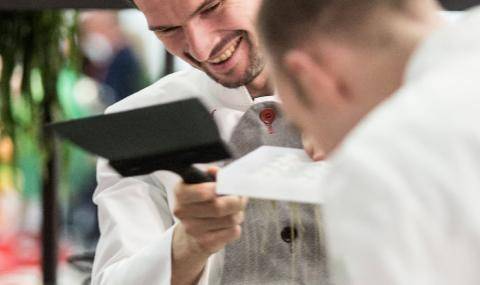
pixel 255 65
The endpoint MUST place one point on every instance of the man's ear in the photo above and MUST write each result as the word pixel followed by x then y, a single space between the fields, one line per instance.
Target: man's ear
pixel 312 81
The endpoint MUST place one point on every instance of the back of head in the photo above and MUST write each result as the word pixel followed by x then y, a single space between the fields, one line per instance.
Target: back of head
pixel 287 23
pixel 335 60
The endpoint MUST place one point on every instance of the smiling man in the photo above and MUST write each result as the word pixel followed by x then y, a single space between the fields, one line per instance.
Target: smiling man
pixel 392 92
pixel 156 230
pixel 216 37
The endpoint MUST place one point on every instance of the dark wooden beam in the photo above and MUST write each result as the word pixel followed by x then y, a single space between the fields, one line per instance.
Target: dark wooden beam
pixel 456 5
pixel 62 4
pixel 459 5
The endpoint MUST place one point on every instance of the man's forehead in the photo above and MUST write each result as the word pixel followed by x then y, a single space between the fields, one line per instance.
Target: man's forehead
pixel 168 12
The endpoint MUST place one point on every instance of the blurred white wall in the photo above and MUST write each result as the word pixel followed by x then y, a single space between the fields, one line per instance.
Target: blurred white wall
pixel 146 43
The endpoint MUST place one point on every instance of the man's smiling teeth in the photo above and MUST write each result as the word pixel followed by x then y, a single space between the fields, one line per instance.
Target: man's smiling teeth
pixel 227 53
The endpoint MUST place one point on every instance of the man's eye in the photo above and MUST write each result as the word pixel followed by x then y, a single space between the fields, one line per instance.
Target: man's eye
pixel 168 30
pixel 212 7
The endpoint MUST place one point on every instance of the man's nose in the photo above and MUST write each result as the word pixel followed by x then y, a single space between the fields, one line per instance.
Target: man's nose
pixel 199 40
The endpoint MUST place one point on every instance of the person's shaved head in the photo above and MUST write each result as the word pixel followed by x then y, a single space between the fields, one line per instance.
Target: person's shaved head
pixel 333 61
pixel 287 23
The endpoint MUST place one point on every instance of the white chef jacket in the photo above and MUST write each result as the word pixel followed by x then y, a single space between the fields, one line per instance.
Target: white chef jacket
pixel 403 196
pixel 135 214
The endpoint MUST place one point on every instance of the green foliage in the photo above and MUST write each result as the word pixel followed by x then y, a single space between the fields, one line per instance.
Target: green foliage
pixel 35 46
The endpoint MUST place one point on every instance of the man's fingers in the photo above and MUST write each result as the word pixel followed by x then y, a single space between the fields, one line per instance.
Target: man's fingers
pixel 211 220
pixel 213 171
pixel 199 226
pixel 195 193
pixel 219 207
pixel 214 241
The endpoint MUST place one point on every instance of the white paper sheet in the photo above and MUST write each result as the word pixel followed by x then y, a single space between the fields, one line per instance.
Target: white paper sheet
pixel 274 173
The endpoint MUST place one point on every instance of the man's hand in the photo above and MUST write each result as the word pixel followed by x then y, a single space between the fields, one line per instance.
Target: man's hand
pixel 208 223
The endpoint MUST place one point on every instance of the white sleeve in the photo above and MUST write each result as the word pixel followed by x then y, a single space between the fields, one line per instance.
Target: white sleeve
pixel 136 226
pixel 379 230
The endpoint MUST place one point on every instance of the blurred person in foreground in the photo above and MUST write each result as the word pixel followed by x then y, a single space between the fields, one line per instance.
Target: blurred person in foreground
pixel 407 212
pixel 157 230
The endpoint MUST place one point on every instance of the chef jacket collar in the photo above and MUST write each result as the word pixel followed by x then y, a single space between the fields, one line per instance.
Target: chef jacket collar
pixel 457 40
pixel 238 98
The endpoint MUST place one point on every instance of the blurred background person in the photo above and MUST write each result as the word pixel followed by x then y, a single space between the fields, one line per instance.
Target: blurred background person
pixel 109 57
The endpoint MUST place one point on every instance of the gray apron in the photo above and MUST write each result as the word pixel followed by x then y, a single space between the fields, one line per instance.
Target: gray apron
pixel 281 243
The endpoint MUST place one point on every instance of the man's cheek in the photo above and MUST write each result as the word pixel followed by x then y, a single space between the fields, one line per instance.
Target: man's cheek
pixel 293 110
pixel 301 118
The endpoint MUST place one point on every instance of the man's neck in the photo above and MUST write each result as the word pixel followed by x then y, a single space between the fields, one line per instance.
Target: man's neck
pixel 402 55
pixel 260 86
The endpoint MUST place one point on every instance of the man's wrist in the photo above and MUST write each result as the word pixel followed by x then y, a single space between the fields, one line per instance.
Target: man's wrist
pixel 185 245
pixel 188 259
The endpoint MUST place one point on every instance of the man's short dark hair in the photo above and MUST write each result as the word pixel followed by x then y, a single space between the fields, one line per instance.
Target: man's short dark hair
pixel 132 4
pixel 284 24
